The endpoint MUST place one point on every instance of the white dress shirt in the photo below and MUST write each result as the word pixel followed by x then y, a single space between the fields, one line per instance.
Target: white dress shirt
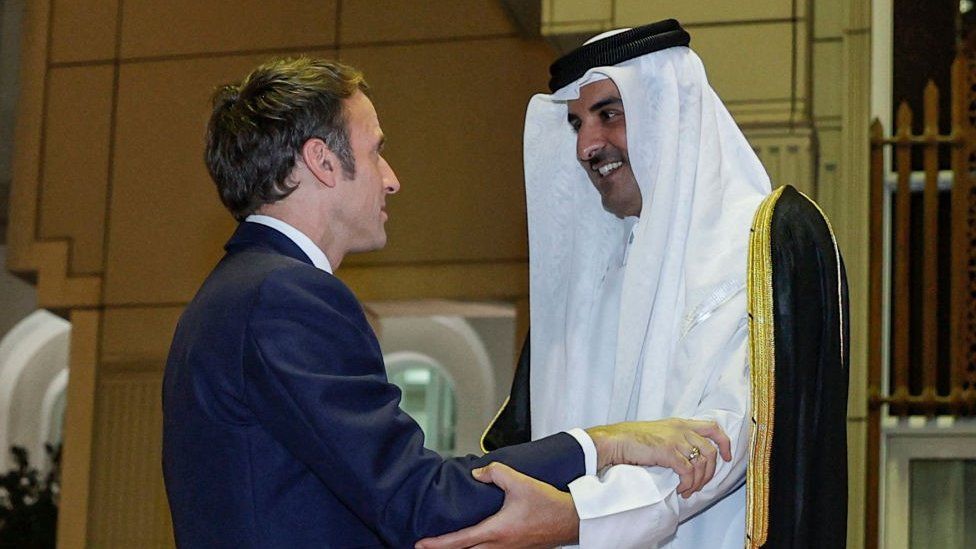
pixel 298 237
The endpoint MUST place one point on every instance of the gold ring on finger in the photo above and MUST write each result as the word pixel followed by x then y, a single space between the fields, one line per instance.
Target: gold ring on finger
pixel 694 453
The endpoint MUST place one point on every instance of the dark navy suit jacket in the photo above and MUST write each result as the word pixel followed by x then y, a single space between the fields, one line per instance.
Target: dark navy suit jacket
pixel 281 429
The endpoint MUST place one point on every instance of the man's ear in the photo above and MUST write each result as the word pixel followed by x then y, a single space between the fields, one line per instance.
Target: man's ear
pixel 321 161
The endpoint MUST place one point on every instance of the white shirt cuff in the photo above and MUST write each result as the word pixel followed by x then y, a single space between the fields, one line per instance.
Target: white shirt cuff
pixel 589 449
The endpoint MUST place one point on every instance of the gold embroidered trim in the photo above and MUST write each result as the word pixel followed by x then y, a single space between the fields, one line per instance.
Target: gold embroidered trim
pixel 491 424
pixel 762 351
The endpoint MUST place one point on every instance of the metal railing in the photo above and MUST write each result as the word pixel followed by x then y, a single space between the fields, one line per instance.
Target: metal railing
pixel 931 299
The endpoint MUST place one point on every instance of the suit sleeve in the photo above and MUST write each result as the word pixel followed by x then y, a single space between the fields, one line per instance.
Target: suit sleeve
pixel 315 379
pixel 629 506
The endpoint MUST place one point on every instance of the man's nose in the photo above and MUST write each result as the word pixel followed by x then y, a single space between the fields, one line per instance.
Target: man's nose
pixel 390 182
pixel 589 142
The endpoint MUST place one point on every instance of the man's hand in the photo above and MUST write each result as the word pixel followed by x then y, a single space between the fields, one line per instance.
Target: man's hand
pixel 682 445
pixel 534 515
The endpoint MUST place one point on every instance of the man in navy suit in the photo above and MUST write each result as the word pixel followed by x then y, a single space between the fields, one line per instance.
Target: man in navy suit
pixel 280 427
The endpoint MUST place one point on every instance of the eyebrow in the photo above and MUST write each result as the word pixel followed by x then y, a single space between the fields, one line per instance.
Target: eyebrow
pixel 612 100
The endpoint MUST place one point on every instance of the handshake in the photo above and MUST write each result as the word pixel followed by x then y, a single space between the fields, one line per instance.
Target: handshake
pixel 537 515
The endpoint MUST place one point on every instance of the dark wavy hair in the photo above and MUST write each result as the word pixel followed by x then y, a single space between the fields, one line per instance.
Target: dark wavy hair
pixel 258 127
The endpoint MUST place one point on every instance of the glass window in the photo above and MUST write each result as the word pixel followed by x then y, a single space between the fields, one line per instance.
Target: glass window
pixel 428 396
pixel 943 503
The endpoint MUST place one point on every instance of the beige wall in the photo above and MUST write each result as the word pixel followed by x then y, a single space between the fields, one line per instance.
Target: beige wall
pixel 113 211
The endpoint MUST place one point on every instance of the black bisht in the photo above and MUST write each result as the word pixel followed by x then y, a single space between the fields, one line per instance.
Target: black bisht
pixel 800 500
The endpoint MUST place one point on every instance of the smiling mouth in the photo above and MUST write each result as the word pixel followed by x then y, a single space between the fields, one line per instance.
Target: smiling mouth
pixel 608 168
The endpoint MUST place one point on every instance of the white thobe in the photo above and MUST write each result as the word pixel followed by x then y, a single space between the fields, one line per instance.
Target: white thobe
pixel 629 506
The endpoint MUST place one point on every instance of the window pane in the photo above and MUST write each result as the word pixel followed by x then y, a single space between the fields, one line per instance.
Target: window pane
pixel 943 503
pixel 428 396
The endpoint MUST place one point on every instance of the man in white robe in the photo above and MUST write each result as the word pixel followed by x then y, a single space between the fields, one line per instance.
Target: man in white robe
pixel 640 191
pixel 639 306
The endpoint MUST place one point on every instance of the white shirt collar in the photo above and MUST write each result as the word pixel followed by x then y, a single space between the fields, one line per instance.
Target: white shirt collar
pixel 298 237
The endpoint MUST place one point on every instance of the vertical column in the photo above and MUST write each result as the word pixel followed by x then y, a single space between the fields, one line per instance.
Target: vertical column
pixel 78 421
pixel 854 235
